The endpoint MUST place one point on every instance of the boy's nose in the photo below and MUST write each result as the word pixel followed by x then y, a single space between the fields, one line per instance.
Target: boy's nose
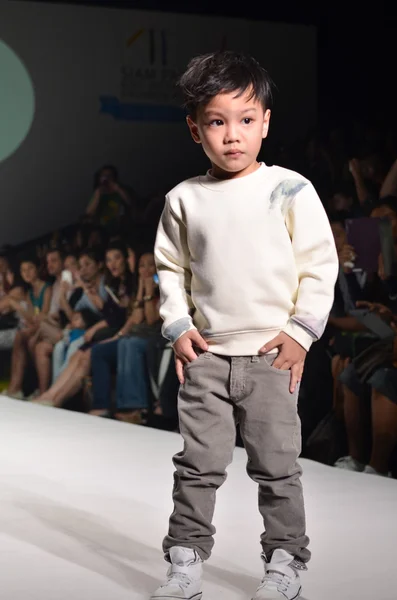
pixel 231 134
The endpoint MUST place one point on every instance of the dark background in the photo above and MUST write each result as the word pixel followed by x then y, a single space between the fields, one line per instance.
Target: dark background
pixel 357 47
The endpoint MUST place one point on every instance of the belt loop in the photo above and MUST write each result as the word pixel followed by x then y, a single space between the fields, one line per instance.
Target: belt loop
pixel 254 359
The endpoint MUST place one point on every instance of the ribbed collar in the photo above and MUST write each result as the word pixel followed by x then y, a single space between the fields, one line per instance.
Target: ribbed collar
pixel 224 185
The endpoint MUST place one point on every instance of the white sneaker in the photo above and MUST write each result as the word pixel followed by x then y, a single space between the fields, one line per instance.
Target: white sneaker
pixel 184 577
pixel 349 464
pixel 371 471
pixel 16 395
pixel 281 580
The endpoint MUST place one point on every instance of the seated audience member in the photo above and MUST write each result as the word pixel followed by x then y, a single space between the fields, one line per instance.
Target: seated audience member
pixel 12 290
pixel 86 292
pixel 126 353
pixel 372 180
pixel 110 202
pixel 50 331
pixel 38 301
pixel 389 185
pixel 119 287
pixel 50 328
pixel 370 407
pixel 72 340
pixel 387 281
pixel 342 327
pixel 71 264
pixel 380 383
pixel 343 203
pixel 55 266
pixel 4 276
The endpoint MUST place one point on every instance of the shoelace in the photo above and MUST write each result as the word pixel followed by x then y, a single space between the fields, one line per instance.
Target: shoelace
pixel 277 580
pixel 181 579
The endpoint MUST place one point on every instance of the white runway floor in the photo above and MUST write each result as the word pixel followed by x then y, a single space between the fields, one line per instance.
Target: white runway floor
pixel 84 505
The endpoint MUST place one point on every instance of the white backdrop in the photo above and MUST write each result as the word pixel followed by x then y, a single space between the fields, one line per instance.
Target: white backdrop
pixel 103 92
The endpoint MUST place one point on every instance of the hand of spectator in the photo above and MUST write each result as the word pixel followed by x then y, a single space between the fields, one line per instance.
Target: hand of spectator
pixel 115 338
pixel 382 310
pixel 89 334
pixel 149 286
pixel 347 256
pixel 355 167
pixel 79 283
pixel 65 288
pixel 141 287
pixel 184 351
pixel 114 187
pixel 381 269
pixel 291 357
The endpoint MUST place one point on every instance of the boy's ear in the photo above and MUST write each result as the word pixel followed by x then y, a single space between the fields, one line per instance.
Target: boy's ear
pixel 266 122
pixel 193 129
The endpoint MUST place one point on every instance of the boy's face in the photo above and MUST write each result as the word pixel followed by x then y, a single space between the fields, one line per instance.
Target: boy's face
pixel 77 321
pixel 231 131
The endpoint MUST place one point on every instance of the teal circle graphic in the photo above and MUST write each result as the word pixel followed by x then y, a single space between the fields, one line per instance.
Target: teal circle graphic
pixel 16 101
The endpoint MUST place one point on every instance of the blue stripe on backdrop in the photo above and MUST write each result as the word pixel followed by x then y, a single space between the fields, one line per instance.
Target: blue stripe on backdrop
pixel 131 111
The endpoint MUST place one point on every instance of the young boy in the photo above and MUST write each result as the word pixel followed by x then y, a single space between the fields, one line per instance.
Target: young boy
pixel 247 267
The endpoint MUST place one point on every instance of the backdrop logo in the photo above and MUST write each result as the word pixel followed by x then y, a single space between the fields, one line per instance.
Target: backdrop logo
pixel 152 47
pixel 148 74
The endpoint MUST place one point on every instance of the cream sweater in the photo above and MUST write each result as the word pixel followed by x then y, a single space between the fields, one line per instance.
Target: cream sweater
pixel 243 259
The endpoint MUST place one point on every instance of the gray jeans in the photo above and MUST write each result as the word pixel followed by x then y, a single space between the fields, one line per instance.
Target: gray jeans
pixel 218 391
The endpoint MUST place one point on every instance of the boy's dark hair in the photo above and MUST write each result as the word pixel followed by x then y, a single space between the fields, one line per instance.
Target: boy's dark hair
pixel 211 74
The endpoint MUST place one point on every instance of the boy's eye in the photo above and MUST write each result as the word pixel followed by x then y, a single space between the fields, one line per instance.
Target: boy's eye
pixel 216 123
pixel 247 120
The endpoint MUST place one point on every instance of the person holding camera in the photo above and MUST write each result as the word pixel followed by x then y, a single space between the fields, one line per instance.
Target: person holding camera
pixel 110 202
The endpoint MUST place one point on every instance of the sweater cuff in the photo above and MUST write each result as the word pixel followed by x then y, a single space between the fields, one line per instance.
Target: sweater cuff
pixel 177 329
pixel 297 333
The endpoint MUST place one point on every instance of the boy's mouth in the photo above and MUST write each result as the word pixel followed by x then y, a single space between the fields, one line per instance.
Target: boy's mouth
pixel 233 153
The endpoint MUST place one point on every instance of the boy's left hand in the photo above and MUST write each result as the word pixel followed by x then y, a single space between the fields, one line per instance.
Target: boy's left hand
pixel 291 357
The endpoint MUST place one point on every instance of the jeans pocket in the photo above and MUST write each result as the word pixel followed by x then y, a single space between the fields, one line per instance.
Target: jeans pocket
pixel 201 355
pixel 268 360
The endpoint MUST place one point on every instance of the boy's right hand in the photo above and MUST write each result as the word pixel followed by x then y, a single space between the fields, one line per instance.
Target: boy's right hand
pixel 184 351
